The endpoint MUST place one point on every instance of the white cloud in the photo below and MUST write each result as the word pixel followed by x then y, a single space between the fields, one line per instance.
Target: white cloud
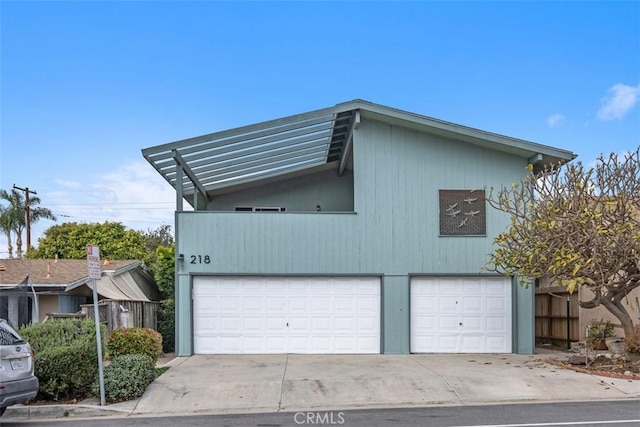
pixel 619 100
pixel 68 184
pixel 133 194
pixel 555 119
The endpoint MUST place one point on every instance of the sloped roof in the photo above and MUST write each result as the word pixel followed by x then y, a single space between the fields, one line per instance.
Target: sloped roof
pixel 121 287
pixel 121 279
pixel 311 140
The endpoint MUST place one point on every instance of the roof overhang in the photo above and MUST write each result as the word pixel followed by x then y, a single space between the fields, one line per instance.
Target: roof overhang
pixel 277 149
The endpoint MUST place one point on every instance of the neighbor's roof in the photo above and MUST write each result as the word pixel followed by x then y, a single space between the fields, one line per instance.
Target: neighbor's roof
pixel 215 161
pixel 56 273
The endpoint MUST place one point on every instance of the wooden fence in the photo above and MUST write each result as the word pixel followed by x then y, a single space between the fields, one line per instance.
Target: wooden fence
pixel 553 323
pixel 121 314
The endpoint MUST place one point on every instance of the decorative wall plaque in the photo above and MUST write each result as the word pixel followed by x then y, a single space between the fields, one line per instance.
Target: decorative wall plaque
pixel 462 213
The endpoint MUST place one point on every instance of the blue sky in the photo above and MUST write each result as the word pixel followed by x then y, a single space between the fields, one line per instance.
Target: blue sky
pixel 86 85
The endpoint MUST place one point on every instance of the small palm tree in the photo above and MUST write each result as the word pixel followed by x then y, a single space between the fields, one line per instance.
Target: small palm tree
pixel 15 220
pixel 7 221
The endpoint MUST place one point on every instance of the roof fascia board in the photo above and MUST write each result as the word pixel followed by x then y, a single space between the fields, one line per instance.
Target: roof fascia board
pixel 77 284
pixel 54 286
pixel 123 269
pixel 451 130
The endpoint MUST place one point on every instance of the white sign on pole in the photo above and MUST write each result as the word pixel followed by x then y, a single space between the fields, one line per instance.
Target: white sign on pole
pixel 93 262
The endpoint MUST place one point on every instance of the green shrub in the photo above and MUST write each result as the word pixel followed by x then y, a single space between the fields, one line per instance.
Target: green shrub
pixel 167 325
pixel 66 356
pixel 126 377
pixel 135 341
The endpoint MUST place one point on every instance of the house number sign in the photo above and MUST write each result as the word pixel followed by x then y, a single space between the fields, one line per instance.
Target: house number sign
pixel 200 259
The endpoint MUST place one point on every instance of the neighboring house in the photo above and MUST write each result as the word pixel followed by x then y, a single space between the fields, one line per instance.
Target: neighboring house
pixel 357 228
pixel 32 289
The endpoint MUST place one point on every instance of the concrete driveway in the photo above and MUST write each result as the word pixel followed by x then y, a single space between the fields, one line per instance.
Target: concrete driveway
pixel 272 383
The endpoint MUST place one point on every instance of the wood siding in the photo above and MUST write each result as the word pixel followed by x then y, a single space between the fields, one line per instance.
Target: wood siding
pixel 393 230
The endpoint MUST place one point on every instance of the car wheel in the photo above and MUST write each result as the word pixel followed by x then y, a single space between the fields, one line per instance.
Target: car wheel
pixel 2 411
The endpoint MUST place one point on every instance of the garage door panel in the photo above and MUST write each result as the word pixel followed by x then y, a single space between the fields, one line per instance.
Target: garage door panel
pixel 446 344
pixel 299 305
pixel 275 304
pixel 369 304
pixel 471 324
pixel 447 304
pixel 253 323
pixel 368 324
pixel 252 304
pixel 344 324
pixel 274 323
pixel 321 324
pixel 495 344
pixel 460 314
pixel 286 315
pixel 496 325
pixel 447 323
pixel 425 323
pixel 496 304
pixel 471 344
pixel 472 304
pixel 346 304
pixel 227 304
pixel 321 304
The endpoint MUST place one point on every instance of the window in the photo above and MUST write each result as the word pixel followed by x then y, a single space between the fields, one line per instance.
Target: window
pixel 259 209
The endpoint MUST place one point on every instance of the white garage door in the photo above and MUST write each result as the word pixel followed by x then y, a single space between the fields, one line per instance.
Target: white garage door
pixel 461 315
pixel 254 315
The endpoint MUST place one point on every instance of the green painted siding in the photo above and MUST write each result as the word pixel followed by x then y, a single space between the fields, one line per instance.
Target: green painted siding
pixel 331 192
pixel 395 314
pixel 393 229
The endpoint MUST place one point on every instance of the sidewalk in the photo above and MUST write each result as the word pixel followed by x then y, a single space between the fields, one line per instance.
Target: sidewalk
pixel 225 384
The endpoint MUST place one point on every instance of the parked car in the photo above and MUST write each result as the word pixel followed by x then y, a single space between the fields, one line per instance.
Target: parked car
pixel 17 382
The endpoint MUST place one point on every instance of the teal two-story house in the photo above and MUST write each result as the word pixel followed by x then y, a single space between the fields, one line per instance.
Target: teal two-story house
pixel 356 228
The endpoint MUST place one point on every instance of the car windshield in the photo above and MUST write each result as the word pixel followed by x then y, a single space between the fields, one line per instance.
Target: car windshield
pixel 7 337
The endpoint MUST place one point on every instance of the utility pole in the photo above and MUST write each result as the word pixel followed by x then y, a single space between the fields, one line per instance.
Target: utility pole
pixel 27 211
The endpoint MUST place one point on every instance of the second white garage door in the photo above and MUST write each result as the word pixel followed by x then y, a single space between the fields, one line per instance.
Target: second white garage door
pixel 254 315
pixel 461 315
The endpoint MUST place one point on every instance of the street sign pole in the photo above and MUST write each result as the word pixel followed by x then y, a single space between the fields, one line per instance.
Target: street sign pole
pixel 93 264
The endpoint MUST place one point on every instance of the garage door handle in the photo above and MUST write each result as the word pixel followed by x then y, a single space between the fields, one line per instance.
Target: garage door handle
pixel 460 323
pixel 288 324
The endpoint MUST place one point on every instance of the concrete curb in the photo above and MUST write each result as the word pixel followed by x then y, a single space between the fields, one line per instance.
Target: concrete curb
pixel 26 412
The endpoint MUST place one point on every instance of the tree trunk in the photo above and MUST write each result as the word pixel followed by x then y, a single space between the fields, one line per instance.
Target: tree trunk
pixel 9 246
pixel 617 309
pixel 19 246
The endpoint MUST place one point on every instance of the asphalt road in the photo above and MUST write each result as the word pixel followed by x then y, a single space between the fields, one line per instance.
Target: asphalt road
pixel 623 413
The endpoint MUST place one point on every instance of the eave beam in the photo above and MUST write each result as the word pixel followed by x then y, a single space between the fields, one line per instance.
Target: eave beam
pixel 355 122
pixel 180 163
pixel 535 159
